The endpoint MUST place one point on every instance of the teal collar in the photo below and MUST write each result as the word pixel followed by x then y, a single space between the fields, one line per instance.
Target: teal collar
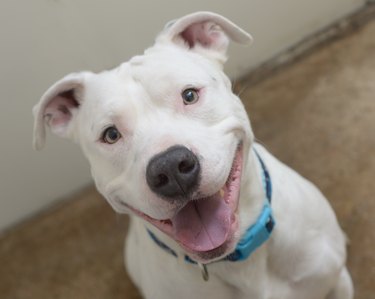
pixel 256 235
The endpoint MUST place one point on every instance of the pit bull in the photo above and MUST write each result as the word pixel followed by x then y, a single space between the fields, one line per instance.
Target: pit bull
pixel 213 213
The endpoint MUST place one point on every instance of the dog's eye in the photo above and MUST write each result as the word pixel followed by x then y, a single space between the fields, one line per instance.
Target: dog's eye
pixel 111 135
pixel 190 96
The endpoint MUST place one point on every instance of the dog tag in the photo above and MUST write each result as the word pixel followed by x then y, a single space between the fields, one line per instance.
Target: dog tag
pixel 204 271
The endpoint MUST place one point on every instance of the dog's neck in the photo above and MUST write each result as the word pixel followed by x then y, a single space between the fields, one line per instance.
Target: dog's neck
pixel 252 194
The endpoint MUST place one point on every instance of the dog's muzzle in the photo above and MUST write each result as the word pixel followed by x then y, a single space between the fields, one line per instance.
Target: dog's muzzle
pixel 173 173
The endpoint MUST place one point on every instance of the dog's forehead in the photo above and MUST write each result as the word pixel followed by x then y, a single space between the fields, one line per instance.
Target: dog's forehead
pixel 144 81
pixel 168 65
pixel 155 71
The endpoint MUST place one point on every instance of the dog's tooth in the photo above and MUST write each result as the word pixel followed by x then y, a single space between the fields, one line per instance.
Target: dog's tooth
pixel 222 192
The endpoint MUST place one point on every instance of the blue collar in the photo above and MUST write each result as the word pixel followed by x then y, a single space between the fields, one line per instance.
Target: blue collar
pixel 255 235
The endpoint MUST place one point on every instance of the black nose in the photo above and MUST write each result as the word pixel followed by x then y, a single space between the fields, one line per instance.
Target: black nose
pixel 174 172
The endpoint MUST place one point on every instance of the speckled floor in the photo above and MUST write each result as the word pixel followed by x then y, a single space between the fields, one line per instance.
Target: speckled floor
pixel 317 115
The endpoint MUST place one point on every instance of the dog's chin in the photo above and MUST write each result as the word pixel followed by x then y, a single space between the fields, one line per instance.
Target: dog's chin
pixel 206 228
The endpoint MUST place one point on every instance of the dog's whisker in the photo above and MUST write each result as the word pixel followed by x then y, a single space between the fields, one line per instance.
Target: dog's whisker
pixel 243 89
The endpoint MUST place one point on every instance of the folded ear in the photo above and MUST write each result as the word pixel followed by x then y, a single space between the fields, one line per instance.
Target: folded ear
pixel 204 30
pixel 58 107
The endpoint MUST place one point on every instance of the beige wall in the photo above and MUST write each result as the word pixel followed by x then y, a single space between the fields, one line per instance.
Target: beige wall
pixel 42 40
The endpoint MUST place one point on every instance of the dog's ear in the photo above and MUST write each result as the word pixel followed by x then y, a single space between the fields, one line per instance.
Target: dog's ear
pixel 204 32
pixel 58 108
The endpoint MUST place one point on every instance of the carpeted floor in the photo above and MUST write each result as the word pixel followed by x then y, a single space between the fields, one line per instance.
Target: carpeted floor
pixel 317 115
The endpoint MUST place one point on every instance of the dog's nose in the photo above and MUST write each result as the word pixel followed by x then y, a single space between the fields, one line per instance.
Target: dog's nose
pixel 174 172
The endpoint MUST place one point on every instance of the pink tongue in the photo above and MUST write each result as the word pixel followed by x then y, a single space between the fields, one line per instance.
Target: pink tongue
pixel 204 224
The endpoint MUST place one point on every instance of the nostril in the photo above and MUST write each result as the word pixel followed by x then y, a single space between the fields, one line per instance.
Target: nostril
pixel 161 180
pixel 186 166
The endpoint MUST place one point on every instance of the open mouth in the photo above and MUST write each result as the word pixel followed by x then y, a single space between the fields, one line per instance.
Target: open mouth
pixel 207 224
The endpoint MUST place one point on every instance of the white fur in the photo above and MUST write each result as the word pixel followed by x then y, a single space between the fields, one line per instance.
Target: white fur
pixel 305 257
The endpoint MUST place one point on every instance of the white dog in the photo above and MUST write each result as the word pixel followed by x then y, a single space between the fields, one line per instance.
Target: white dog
pixel 213 214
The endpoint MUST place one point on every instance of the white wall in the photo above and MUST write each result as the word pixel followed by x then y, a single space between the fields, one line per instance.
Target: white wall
pixel 42 40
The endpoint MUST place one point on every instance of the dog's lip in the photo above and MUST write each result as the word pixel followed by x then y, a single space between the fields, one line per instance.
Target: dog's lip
pixel 229 193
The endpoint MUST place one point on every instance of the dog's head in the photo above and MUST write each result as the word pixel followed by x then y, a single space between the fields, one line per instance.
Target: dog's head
pixel 165 136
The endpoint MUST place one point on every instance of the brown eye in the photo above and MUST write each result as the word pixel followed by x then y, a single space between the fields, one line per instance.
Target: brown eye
pixel 190 96
pixel 111 135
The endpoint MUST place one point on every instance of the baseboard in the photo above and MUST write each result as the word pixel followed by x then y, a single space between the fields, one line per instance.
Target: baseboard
pixel 335 31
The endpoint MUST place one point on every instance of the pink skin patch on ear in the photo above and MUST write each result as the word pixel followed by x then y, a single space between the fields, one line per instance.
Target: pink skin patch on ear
pixel 59 110
pixel 207 34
